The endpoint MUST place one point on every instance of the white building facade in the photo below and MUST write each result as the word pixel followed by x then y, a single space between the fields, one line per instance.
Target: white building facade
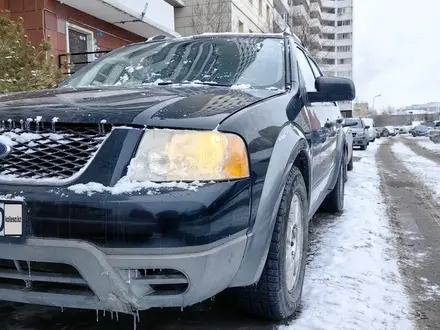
pixel 200 16
pixel 337 42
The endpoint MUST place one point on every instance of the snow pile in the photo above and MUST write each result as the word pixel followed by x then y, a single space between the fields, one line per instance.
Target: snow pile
pixel 352 280
pixel 125 186
pixel 429 145
pixel 426 170
pixel 10 197
pixel 18 136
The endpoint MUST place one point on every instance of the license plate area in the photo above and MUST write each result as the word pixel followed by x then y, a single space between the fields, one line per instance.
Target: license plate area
pixel 12 220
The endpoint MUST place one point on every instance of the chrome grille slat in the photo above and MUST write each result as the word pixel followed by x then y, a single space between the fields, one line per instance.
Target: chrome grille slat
pixel 52 151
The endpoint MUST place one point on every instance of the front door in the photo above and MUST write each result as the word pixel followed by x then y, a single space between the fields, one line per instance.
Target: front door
pixel 323 132
pixel 78 43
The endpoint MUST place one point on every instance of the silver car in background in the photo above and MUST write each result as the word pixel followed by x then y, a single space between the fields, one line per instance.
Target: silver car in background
pixel 359 132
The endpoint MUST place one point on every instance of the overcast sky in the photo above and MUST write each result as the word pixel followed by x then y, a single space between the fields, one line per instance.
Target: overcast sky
pixel 397 51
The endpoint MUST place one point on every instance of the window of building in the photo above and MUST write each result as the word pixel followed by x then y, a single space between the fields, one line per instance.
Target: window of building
pixel 328 10
pixel 260 7
pixel 240 26
pixel 285 17
pixel 267 13
pixel 79 40
pixel 328 23
pixel 344 36
pixel 344 48
pixel 345 10
pixel 306 71
pixel 344 23
pixel 329 36
pixel 344 61
pixel 328 61
pixel 328 49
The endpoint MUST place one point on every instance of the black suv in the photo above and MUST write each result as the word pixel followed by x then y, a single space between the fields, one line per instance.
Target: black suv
pixel 168 171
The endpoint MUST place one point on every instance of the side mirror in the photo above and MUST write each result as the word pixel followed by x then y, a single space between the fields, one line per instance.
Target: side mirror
pixel 332 89
pixel 367 127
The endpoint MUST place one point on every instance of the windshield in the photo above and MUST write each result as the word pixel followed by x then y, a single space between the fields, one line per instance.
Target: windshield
pixel 246 61
pixel 358 122
pixel 421 128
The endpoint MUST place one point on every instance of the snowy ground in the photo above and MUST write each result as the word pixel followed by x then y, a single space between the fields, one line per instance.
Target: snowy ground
pixel 353 281
pixel 426 143
pixel 424 169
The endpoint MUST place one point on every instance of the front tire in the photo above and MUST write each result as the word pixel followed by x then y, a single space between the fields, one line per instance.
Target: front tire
pixel 350 164
pixel 334 202
pixel 278 292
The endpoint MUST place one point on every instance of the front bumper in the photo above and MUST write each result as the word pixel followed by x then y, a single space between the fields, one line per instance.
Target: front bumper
pixel 359 141
pixel 120 281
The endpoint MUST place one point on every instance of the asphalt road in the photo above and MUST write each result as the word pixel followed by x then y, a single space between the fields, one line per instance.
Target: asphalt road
pixel 415 215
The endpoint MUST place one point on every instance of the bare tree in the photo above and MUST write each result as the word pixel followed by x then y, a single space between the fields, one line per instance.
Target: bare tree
pixel 209 16
pixel 389 110
pixel 302 28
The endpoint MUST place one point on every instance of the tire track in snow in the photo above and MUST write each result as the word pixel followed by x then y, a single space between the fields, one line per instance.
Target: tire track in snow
pixel 414 212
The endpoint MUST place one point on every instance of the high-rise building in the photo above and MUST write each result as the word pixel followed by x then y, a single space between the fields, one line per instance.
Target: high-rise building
pixel 200 16
pixel 337 42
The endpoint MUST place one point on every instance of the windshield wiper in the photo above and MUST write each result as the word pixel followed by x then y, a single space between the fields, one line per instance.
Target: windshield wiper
pixel 207 83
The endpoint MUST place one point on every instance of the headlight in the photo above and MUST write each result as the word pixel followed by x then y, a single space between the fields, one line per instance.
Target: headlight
pixel 173 155
pixel 360 134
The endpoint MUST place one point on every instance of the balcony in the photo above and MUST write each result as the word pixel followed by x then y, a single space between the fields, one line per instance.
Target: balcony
pixel 328 29
pixel 315 26
pixel 343 29
pixel 135 17
pixel 279 20
pixel 315 11
pixel 328 16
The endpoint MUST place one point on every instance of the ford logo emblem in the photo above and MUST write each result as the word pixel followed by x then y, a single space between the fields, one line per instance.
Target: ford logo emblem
pixel 5 150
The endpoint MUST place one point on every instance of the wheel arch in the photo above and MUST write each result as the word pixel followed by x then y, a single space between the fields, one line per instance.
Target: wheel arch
pixel 291 149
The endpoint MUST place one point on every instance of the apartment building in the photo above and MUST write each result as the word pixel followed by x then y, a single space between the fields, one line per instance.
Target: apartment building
pixel 337 42
pixel 200 16
pixel 94 25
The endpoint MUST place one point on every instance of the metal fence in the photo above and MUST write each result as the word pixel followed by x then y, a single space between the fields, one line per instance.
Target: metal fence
pixel 72 62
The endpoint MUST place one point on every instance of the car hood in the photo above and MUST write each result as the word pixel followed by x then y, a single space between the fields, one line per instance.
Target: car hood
pixel 201 107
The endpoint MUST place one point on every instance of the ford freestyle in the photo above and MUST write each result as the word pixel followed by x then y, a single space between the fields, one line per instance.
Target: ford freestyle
pixel 168 171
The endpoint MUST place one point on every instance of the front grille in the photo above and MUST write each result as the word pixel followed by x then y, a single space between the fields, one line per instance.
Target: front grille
pixel 49 150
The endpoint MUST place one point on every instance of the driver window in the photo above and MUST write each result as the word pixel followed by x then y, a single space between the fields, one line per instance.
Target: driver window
pixel 306 70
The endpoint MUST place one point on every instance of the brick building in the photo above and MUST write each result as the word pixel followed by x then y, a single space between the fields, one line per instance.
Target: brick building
pixel 79 26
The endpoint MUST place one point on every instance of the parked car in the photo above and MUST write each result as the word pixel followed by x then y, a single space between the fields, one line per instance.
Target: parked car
pixel 349 147
pixel 391 130
pixel 403 130
pixel 359 131
pixel 142 180
pixel 379 131
pixel 434 133
pixel 420 130
pixel 371 130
